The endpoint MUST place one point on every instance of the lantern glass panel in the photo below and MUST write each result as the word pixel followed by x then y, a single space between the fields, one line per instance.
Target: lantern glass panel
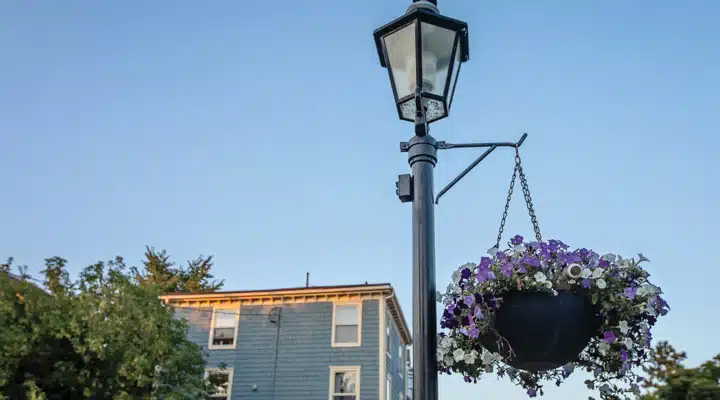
pixel 400 50
pixel 453 77
pixel 437 51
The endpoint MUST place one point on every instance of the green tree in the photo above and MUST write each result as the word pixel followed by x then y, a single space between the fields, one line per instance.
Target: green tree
pixel 159 270
pixel 104 336
pixel 669 379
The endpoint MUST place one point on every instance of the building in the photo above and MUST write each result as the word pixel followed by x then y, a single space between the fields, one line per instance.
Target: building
pixel 310 343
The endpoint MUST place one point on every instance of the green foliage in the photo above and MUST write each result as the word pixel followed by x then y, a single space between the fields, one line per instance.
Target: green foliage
pixel 104 336
pixel 669 379
pixel 160 271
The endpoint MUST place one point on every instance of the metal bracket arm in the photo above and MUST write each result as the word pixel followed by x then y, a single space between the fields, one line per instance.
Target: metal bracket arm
pixel 447 146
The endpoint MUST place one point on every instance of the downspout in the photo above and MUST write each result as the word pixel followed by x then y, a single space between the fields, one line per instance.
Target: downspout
pixel 277 346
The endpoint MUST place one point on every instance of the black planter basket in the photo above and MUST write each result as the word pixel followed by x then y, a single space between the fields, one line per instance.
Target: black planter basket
pixel 544 331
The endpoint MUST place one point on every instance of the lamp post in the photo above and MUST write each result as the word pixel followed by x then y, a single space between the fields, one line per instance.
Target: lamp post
pixel 422 51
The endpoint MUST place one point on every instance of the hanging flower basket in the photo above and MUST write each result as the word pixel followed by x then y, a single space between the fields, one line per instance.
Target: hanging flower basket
pixel 538 311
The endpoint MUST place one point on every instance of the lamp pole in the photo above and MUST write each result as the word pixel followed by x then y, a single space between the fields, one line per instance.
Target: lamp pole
pixel 422 157
pixel 423 51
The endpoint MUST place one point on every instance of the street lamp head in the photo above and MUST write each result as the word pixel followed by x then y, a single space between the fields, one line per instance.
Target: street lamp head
pixel 422 51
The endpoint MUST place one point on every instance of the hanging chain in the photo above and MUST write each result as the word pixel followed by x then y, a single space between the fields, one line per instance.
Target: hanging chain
pixel 528 200
pixel 507 205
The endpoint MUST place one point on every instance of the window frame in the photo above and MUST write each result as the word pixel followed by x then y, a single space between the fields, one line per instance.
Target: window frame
pixel 359 306
pixel 212 346
pixel 388 335
pixel 229 371
pixel 334 369
pixel 388 387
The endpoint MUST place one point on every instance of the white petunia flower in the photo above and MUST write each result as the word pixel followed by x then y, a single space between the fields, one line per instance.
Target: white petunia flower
pixel 647 289
pixel 456 277
pixel 586 273
pixel 597 273
pixel 610 257
pixel 623 263
pixel 518 248
pixel 447 342
pixel 470 357
pixel 554 292
pixel 459 354
pixel 438 297
pixel 624 328
pixel 628 343
pixel 540 277
pixel 601 283
pixel 493 251
pixel 448 360
pixel 603 347
pixel 486 357
pixel 548 284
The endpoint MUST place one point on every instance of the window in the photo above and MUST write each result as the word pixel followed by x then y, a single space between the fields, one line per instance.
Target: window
pixel 223 329
pixel 387 337
pixel 344 383
pixel 388 387
pixel 401 364
pixel 221 379
pixel 346 325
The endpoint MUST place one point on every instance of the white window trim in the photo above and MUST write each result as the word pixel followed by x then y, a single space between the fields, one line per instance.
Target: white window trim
pixel 229 371
pixel 359 305
pixel 212 346
pixel 336 369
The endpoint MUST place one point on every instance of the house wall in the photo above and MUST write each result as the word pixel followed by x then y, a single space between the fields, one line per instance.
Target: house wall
pixel 304 355
pixel 395 362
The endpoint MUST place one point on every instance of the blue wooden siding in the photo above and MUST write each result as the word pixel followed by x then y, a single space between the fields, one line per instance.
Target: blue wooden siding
pixel 305 353
pixel 395 363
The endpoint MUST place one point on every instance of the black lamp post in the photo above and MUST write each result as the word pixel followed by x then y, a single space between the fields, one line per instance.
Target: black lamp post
pixel 423 51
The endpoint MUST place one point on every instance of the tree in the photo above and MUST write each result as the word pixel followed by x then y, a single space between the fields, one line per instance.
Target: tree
pixel 669 379
pixel 104 336
pixel 160 271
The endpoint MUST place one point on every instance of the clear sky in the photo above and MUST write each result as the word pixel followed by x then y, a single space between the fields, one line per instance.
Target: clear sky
pixel 264 133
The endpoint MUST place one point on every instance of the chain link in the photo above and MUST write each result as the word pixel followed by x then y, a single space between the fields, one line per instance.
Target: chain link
pixel 526 194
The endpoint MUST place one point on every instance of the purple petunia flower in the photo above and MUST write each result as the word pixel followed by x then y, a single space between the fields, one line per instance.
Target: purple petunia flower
pixel 630 293
pixel 532 392
pixel 469 300
pixel 623 355
pixel 609 337
pixel 507 268
pixel 478 313
pixel 465 273
pixel 585 283
pixel 516 240
pixel 484 274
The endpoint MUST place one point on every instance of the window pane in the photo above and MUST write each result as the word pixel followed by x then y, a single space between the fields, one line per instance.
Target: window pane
pixel 346 315
pixel 346 334
pixel 224 336
pixel 345 382
pixel 224 319
pixel 220 381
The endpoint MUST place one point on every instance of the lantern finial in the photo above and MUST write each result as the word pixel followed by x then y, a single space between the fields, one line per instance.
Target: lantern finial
pixel 427 5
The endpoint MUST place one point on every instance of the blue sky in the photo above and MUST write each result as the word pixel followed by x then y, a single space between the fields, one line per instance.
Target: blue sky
pixel 264 133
